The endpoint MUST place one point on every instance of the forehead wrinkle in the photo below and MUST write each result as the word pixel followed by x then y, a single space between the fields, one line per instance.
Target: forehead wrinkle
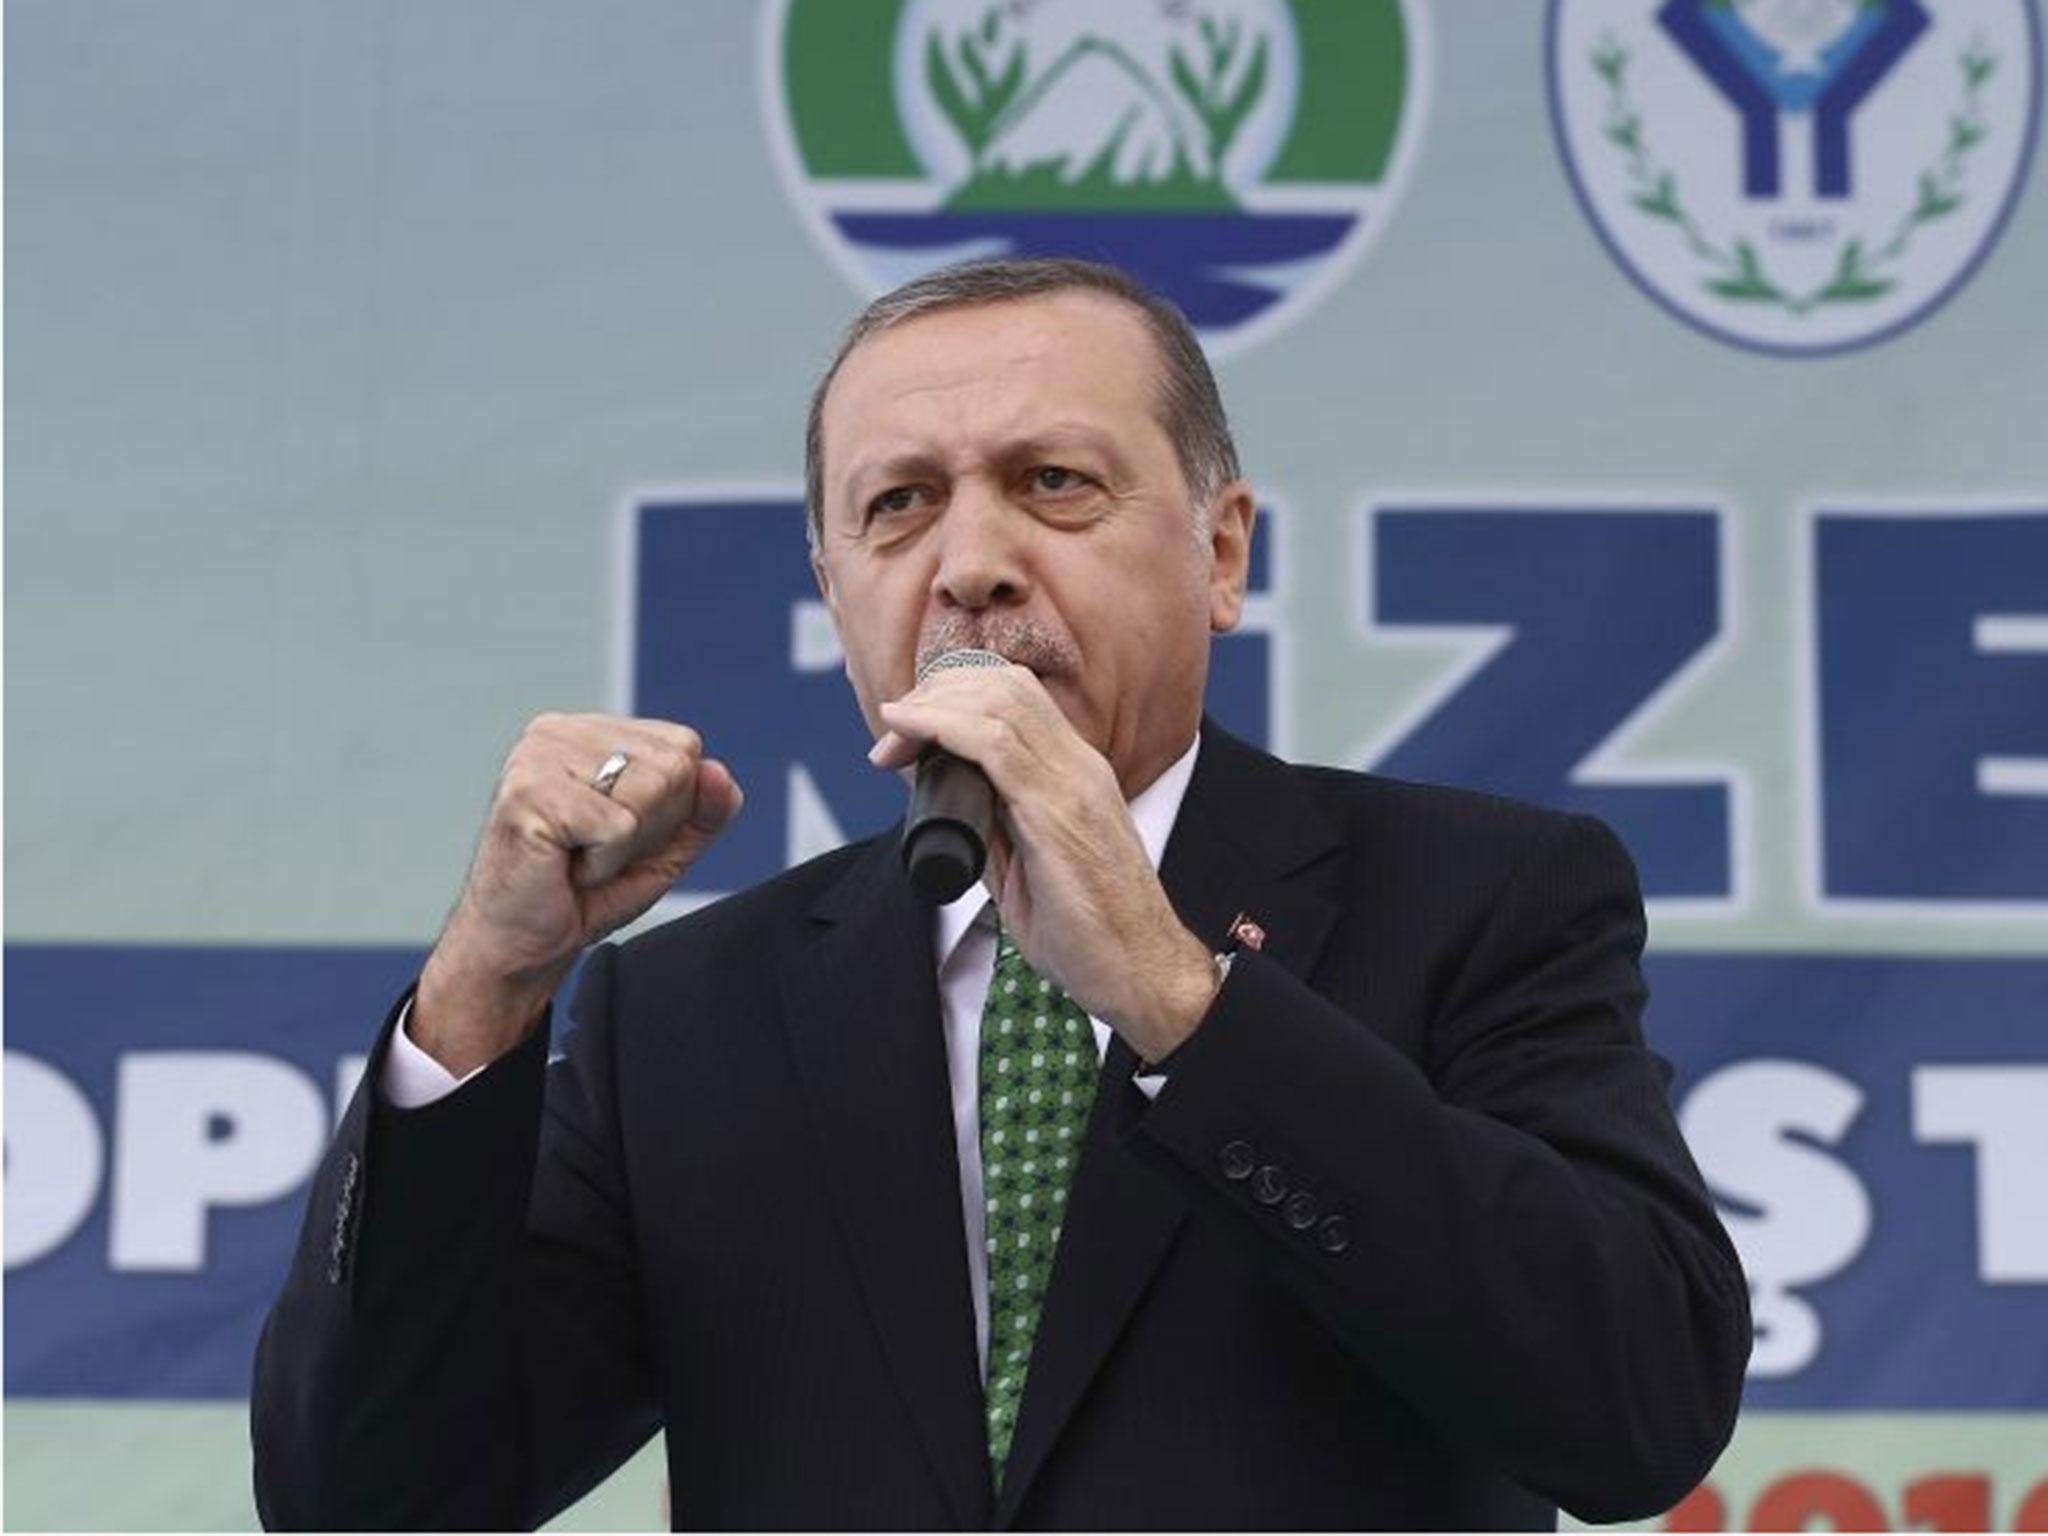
pixel 1066 432
pixel 953 434
pixel 979 376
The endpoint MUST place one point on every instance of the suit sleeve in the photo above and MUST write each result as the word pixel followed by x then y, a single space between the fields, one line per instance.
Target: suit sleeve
pixel 459 1341
pixel 1513 1235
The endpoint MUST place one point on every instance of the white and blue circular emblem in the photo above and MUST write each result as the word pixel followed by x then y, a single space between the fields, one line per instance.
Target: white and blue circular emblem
pixel 1236 155
pixel 1797 176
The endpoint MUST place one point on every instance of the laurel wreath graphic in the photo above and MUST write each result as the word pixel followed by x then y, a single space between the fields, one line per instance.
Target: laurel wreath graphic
pixel 1737 272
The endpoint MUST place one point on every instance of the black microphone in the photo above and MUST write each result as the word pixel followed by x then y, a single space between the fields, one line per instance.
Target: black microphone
pixel 952 807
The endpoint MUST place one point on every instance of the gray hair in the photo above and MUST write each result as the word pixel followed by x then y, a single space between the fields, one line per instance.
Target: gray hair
pixel 1190 409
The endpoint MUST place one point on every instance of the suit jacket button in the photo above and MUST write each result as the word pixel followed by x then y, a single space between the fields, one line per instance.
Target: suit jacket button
pixel 1301 1211
pixel 1239 1160
pixel 1269 1185
pixel 1334 1235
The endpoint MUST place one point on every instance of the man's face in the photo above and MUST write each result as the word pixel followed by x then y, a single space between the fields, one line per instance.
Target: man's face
pixel 997 477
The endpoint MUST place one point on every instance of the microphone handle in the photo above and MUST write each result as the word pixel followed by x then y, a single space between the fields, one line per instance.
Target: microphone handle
pixel 945 834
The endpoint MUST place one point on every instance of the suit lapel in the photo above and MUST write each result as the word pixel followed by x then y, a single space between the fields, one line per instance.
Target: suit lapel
pixel 1246 842
pixel 863 1009
pixel 1249 843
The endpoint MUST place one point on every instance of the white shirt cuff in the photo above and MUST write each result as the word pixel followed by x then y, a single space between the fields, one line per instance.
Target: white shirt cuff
pixel 412 1079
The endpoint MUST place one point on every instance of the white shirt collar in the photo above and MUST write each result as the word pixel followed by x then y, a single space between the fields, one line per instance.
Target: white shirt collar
pixel 1154 811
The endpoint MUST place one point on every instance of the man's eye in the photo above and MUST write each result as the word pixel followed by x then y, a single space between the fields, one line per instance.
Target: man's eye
pixel 901 498
pixel 1053 477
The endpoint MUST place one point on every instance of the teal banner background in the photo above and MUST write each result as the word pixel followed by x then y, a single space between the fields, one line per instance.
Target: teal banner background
pixel 344 342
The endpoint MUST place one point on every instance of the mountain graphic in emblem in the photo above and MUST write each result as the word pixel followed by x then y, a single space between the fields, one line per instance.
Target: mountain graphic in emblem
pixel 1096 126
pixel 1235 155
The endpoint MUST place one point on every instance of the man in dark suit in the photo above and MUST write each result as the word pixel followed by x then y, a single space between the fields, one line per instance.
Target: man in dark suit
pixel 1265 1146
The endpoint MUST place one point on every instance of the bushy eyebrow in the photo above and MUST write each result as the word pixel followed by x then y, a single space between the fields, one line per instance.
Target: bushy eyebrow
pixel 874 475
pixel 896 467
pixel 1068 437
pixel 1049 443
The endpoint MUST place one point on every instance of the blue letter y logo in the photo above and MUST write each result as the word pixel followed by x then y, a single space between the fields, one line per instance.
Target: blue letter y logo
pixel 1772 58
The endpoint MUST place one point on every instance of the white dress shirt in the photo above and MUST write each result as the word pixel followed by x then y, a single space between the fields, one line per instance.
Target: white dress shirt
pixel 964 953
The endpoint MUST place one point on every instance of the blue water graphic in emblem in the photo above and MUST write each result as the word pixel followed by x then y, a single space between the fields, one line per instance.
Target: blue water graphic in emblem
pixel 1205 262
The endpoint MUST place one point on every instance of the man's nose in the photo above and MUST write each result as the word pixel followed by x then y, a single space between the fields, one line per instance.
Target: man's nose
pixel 981 561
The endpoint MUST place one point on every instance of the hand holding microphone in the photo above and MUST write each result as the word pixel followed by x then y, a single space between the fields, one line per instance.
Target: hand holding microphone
pixel 1062 858
pixel 952 807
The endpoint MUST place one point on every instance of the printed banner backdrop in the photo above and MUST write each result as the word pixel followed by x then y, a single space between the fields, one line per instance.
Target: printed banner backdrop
pixel 1645 400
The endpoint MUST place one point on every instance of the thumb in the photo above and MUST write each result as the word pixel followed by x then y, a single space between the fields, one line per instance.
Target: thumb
pixel 719 798
pixel 637 887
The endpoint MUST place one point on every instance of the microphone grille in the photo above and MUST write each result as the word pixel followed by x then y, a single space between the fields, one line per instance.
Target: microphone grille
pixel 947 661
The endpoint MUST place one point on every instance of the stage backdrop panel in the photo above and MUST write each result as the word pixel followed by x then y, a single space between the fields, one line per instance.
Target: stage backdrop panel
pixel 1644 398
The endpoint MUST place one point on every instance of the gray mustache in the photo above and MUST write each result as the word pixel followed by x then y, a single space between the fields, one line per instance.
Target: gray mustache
pixel 953 661
pixel 1022 642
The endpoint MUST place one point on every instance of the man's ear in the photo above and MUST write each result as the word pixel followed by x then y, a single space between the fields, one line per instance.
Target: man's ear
pixel 1231 516
pixel 824 581
pixel 826 591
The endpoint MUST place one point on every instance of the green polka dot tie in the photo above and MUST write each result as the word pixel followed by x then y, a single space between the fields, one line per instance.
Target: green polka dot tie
pixel 1038 1067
